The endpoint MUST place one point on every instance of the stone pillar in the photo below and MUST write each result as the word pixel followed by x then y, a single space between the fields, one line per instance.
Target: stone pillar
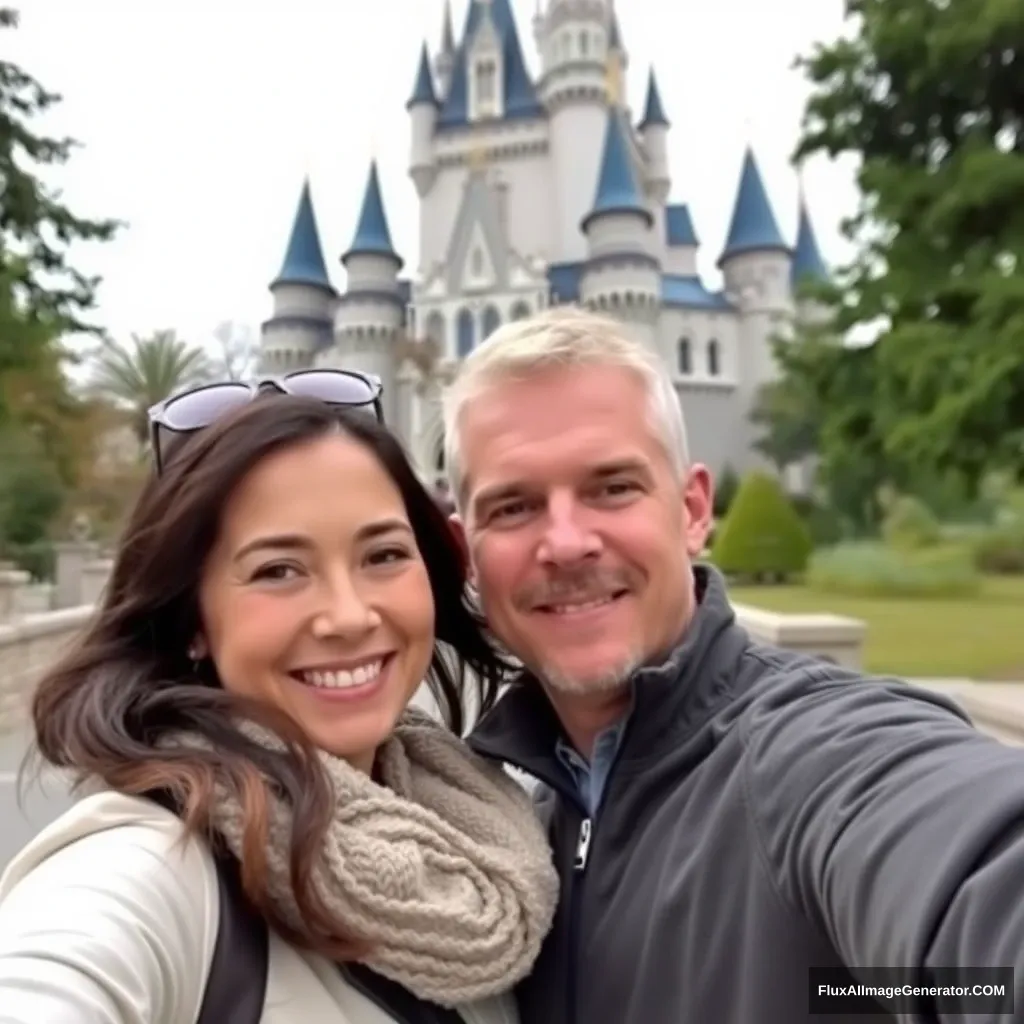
pixel 94 578
pixel 11 582
pixel 71 557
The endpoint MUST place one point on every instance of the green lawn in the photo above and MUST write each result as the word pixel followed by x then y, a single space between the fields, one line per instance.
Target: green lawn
pixel 980 637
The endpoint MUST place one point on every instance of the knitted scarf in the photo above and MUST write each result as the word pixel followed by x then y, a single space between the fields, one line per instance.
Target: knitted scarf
pixel 443 869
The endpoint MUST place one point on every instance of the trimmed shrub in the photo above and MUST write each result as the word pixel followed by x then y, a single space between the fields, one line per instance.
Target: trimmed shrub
pixel 909 524
pixel 763 537
pixel 726 486
pixel 1000 550
pixel 870 569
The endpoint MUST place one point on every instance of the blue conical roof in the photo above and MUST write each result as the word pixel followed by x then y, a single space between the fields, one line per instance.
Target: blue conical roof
pixel 617 189
pixel 304 258
pixel 807 260
pixel 654 112
pixel 423 89
pixel 447 31
pixel 753 224
pixel 373 237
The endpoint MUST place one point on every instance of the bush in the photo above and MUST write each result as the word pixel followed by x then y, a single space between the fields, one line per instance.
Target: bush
pixel 762 538
pixel 726 487
pixel 869 569
pixel 1000 550
pixel 909 524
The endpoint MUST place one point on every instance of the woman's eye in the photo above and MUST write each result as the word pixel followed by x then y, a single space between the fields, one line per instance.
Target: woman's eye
pixel 388 556
pixel 276 573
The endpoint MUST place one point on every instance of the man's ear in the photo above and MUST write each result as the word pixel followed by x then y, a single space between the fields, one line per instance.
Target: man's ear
pixel 458 529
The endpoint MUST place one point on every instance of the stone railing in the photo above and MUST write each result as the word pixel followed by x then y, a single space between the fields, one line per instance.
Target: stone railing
pixel 834 637
pixel 27 647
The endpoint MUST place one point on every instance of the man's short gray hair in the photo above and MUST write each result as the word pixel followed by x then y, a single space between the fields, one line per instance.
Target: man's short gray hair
pixel 558 337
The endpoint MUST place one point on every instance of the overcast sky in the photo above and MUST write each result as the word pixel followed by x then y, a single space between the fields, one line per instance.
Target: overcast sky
pixel 199 119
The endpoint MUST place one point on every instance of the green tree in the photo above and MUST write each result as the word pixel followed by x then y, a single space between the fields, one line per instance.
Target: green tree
pixel 929 97
pixel 138 375
pixel 41 293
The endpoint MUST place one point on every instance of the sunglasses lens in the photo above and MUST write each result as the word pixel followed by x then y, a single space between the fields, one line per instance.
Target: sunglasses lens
pixel 333 387
pixel 197 409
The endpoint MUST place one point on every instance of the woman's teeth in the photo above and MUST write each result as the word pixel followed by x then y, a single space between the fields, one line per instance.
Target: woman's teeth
pixel 342 679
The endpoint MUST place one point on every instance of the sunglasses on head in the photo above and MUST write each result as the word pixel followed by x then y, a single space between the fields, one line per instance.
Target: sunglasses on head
pixel 199 408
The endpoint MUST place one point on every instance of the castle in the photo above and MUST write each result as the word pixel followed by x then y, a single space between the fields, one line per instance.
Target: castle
pixel 538 191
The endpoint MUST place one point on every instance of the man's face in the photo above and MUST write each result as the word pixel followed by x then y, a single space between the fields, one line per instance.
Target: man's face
pixel 580 533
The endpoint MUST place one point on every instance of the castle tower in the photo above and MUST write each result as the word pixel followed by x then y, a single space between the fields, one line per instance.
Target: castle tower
pixel 576 42
pixel 371 312
pixel 654 132
pixel 622 276
pixel 445 62
pixel 755 265
pixel 422 107
pixel 304 298
pixel 808 264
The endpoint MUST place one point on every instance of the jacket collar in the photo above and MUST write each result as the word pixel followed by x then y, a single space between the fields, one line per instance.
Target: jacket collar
pixel 670 699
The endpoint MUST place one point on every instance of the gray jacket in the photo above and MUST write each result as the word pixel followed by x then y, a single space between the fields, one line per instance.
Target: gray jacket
pixel 769 813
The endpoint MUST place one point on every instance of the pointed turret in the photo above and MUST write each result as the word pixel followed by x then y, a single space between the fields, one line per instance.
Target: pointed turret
pixel 304 298
pixel 447 54
pixel 617 188
pixel 654 132
pixel 423 107
pixel 753 227
pixel 654 111
pixel 373 237
pixel 807 260
pixel 304 262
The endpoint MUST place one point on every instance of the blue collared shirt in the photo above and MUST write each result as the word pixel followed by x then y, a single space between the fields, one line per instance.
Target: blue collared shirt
pixel 591 778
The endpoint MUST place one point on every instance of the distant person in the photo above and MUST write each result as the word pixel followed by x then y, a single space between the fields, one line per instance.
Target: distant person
pixel 724 815
pixel 443 497
pixel 275 835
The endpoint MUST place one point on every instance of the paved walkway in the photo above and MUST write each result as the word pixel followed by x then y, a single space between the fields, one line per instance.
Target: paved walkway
pixel 39 805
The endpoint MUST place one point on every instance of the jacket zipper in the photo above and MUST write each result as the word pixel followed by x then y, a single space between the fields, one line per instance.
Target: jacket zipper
pixel 579 866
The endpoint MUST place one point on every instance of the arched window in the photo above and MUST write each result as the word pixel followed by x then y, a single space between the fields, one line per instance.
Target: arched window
pixel 584 44
pixel 684 357
pixel 520 311
pixel 435 329
pixel 714 360
pixel 492 321
pixel 466 332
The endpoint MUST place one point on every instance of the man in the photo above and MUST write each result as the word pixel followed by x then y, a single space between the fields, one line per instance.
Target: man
pixel 725 816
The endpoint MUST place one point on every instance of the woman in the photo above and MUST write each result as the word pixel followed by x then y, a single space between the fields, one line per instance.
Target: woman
pixel 242 698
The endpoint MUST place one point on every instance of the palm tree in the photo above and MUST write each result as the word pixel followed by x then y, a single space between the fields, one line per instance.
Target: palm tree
pixel 140 374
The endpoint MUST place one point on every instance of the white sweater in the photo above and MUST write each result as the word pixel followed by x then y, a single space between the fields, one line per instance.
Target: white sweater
pixel 110 917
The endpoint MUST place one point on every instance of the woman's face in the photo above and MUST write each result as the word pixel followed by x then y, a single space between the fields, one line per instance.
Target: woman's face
pixel 315 598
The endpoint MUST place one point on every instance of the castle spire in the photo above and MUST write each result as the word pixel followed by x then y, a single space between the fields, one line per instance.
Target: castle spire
pixel 372 237
pixel 808 263
pixel 617 188
pixel 753 226
pixel 304 258
pixel 654 111
pixel 423 89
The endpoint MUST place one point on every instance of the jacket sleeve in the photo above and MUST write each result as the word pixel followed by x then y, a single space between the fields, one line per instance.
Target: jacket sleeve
pixel 116 927
pixel 890 822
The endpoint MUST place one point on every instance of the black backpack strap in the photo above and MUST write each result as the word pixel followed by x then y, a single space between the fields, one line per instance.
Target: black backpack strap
pixel 395 1000
pixel 236 986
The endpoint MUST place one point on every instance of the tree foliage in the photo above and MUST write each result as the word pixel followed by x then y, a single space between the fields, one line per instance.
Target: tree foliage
pixel 137 375
pixel 928 95
pixel 41 293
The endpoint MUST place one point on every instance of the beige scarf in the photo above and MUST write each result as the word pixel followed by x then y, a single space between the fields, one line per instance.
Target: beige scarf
pixel 444 869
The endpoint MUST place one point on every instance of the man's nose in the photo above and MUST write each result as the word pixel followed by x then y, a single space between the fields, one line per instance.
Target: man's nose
pixel 344 610
pixel 568 538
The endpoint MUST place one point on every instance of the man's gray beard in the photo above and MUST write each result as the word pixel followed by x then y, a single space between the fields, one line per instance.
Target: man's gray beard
pixel 615 678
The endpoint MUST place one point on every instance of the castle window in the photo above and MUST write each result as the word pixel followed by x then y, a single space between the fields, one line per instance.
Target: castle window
pixel 684 357
pixel 435 329
pixel 584 44
pixel 466 333
pixel 520 311
pixel 714 360
pixel 492 321
pixel 485 88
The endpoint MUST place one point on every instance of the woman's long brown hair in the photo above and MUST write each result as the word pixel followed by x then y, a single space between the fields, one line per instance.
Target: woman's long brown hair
pixel 127 682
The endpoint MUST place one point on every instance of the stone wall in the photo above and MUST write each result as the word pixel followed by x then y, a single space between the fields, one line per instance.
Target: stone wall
pixel 27 646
